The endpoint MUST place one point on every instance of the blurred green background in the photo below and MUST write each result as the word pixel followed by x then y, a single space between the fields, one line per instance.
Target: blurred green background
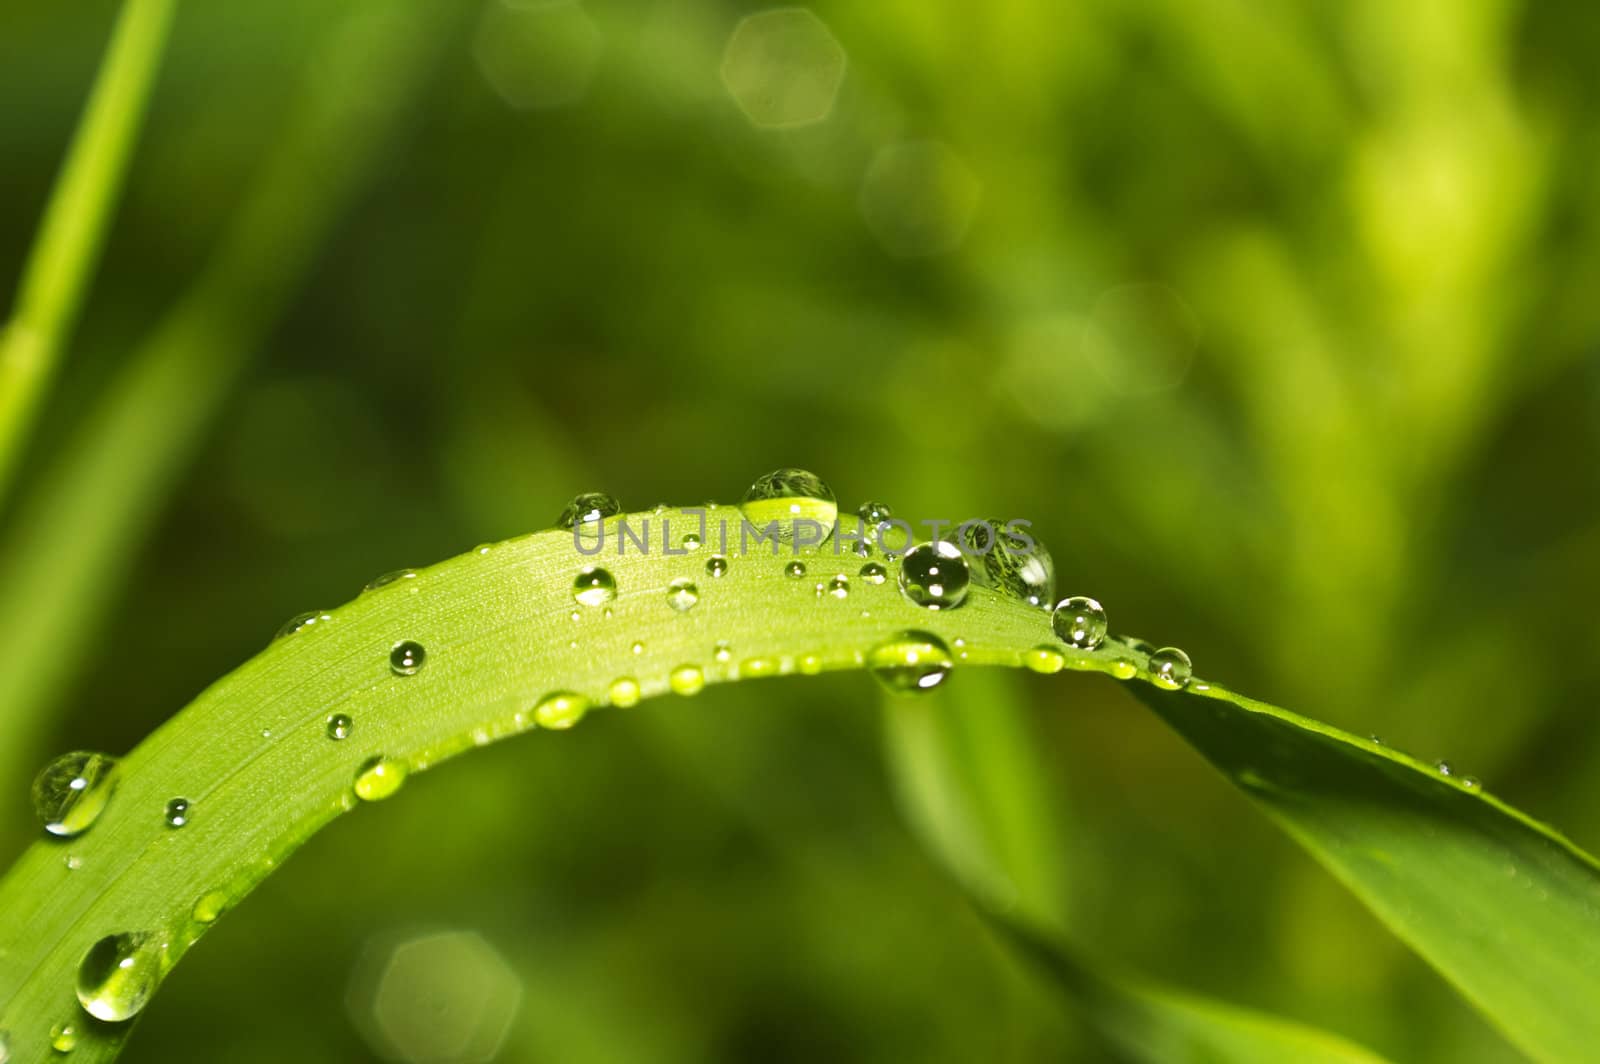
pixel 1278 321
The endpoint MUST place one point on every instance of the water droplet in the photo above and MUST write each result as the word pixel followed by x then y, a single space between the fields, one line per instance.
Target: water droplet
pixel 636 649
pixel 810 664
pixel 935 575
pixel 63 1037
pixel 758 667
pixel 560 711
pixel 910 662
pixel 795 570
pixel 177 812
pixel 716 567
pixel 1123 669
pixel 1079 622
pixel 339 726
pixel 587 508
pixel 1044 659
pixel 390 578
pixel 379 778
pixel 1471 783
pixel 1019 567
pixel 73 863
pixel 209 906
pixel 682 594
pixel 1375 739
pixel 71 792
pixel 687 679
pixel 407 657
pixel 839 587
pixel 795 501
pixel 624 692
pixel 691 541
pixel 118 974
pixel 1445 768
pixel 723 653
pixel 873 514
pixel 301 621
pixel 1170 668
pixel 873 573
pixel 594 587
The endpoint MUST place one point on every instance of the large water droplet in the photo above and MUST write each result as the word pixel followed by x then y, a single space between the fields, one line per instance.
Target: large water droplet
pixel 935 575
pixel 118 974
pixel 587 508
pixel 177 812
pixel 687 679
pixel 390 578
pixel 624 692
pixel 796 502
pixel 682 594
pixel 379 778
pixel 71 792
pixel 910 662
pixel 63 1038
pixel 560 711
pixel 1170 668
pixel 716 567
pixel 1021 568
pixel 340 726
pixel 594 587
pixel 407 657
pixel 1080 622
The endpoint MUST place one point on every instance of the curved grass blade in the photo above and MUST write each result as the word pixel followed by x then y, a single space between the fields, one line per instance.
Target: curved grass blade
pixel 971 781
pixel 1504 907
pixel 70 236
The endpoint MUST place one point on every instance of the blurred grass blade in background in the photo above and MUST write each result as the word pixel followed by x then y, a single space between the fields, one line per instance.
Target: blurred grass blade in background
pixel 67 248
pixel 972 783
pixel 74 537
pixel 1502 906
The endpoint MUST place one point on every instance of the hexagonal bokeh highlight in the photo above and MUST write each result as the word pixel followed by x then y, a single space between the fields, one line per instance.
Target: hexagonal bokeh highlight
pixel 440 997
pixel 783 67
pixel 537 56
pixel 1142 338
pixel 918 198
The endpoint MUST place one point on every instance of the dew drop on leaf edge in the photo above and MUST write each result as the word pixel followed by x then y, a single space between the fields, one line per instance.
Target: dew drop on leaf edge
pixel 1079 622
pixel 1170 668
pixel 118 975
pixel 379 778
pixel 560 710
pixel 788 497
pixel 910 662
pixel 587 508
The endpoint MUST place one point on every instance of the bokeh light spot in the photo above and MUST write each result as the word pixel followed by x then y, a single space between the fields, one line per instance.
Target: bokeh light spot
pixel 538 56
pixel 918 198
pixel 443 997
pixel 783 68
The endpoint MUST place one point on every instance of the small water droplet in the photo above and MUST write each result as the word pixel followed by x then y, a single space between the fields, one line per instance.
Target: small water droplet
pixel 795 570
pixel 682 594
pixel 209 906
pixel 1375 739
pixel 839 587
pixel 1471 783
pixel 755 668
pixel 594 587
pixel 390 578
pixel 716 567
pixel 379 778
pixel 691 541
pixel 301 621
pixel 789 499
pixel 1170 668
pixel 118 974
pixel 71 792
pixel 560 711
pixel 73 863
pixel 910 662
pixel 935 576
pixel 177 812
pixel 587 508
pixel 624 692
pixel 809 664
pixel 63 1037
pixel 873 514
pixel 723 653
pixel 873 573
pixel 1445 768
pixel 339 726
pixel 1123 669
pixel 1044 659
pixel 687 679
pixel 1080 622
pixel 406 657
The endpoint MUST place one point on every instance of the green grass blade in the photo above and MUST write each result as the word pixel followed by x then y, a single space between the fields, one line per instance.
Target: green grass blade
pixel 971 781
pixel 110 482
pixel 67 247
pixel 1505 908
